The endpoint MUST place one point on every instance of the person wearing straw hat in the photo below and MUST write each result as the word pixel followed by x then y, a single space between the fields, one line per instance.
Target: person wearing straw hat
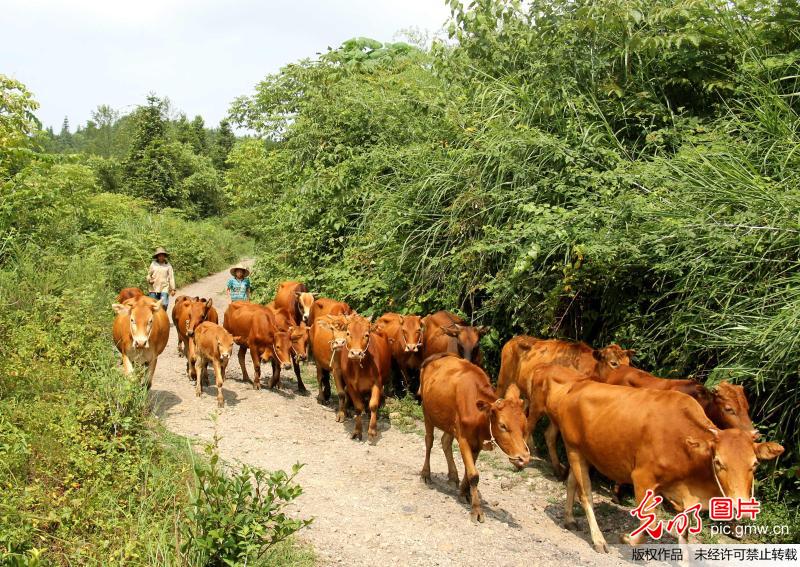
pixel 239 285
pixel 161 277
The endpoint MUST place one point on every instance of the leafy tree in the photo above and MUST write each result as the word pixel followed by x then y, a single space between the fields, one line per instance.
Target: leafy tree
pixel 224 141
pixel 199 139
pixel 148 168
pixel 17 124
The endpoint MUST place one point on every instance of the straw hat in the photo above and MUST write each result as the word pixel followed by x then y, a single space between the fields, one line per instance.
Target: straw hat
pixel 239 267
pixel 160 250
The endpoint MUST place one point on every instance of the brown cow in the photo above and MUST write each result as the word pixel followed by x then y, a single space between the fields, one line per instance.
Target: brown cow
pixel 522 352
pixel 654 439
pixel 255 328
pixel 726 406
pixel 140 332
pixel 325 306
pixel 129 293
pixel 298 337
pixel 187 314
pixel 212 344
pixel 446 332
pixel 404 334
pixel 296 300
pixel 457 398
pixel 365 363
pixel 328 337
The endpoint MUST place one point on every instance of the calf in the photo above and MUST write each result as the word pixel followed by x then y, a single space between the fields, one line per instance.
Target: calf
pixel 457 398
pixel 187 314
pixel 212 344
pixel 129 293
pixel 521 353
pixel 404 334
pixel 254 327
pixel 657 440
pixel 140 332
pixel 328 337
pixel 365 363
pixel 296 300
pixel 298 337
pixel 446 332
pixel 726 406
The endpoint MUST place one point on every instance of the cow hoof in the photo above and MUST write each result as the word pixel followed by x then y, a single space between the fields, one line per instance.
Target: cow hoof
pixel 571 525
pixel 477 516
pixel 303 391
pixel 356 436
pixel 452 481
pixel 373 438
pixel 340 418
pixel 601 547
pixel 426 477
pixel 561 472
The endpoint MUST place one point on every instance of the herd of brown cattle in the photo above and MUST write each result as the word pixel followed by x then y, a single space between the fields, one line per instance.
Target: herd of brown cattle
pixel 674 437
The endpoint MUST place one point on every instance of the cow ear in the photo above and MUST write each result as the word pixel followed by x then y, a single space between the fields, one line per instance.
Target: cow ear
pixel 156 306
pixel 120 309
pixel 237 338
pixel 597 354
pixel 209 303
pixel 768 450
pixel 482 330
pixel 369 319
pixel 512 393
pixel 452 330
pixel 696 445
pixel 484 407
pixel 298 293
pixel 630 353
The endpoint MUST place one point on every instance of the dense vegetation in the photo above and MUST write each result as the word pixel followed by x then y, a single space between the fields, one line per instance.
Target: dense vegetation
pixel 607 171
pixel 86 475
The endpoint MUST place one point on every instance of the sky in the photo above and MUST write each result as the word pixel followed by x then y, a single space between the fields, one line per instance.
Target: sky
pixel 74 55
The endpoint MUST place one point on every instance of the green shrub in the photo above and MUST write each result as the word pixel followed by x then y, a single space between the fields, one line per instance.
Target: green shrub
pixel 236 517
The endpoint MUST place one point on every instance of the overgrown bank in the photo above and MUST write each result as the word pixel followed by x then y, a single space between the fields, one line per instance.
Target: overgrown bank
pixel 87 476
pixel 612 171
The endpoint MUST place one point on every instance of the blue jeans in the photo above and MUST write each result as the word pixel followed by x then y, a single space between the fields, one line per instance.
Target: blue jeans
pixel 162 295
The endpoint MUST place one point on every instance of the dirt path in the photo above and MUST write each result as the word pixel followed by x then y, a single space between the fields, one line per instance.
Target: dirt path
pixel 368 502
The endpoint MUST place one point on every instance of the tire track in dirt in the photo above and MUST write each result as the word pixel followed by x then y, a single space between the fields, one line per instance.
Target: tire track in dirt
pixel 368 502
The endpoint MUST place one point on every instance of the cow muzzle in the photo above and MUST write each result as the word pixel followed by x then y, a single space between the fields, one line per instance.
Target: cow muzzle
pixel 302 357
pixel 520 461
pixel 286 365
pixel 139 343
pixel 412 348
pixel 337 344
pixel 356 354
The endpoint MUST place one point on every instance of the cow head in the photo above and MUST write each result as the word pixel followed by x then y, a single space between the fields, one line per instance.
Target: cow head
pixel 734 458
pixel 225 343
pixel 729 409
pixel 357 337
pixel 282 349
pixel 467 340
pixel 507 422
pixel 140 313
pixel 304 302
pixel 337 325
pixel 411 331
pixel 298 334
pixel 196 313
pixel 611 357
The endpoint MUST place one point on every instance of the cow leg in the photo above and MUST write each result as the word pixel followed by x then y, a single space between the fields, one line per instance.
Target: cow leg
pixel 242 364
pixel 580 469
pixel 151 370
pixel 199 371
pixel 341 391
pixel 127 365
pixel 374 402
pixel 358 402
pixel 276 373
pixel 472 477
pixel 300 386
pixel 323 380
pixel 534 415
pixel 569 512
pixel 550 437
pixel 256 356
pixel 447 447
pixel 219 375
pixel 191 355
pixel 641 482
pixel 426 467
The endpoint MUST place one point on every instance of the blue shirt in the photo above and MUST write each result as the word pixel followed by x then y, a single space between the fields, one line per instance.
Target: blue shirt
pixel 238 288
